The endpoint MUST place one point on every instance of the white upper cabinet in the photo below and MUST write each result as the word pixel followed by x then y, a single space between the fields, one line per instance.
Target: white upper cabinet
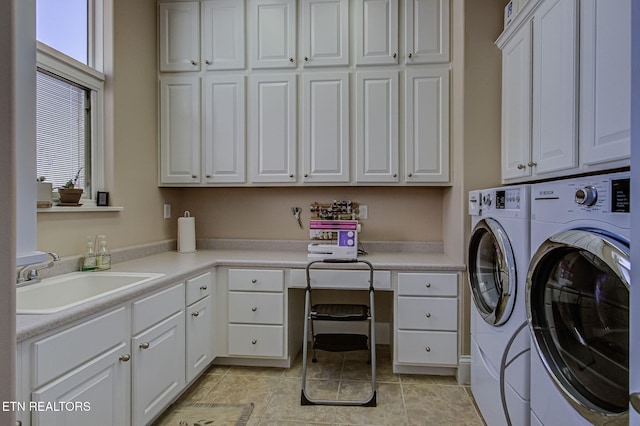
pixel 224 129
pixel 325 32
pixel 516 104
pixel 426 31
pixel 605 78
pixel 377 126
pixel 376 32
pixel 223 34
pixel 272 128
pixel 325 127
pixel 427 125
pixel 179 129
pixel 555 87
pixel 272 32
pixel 179 36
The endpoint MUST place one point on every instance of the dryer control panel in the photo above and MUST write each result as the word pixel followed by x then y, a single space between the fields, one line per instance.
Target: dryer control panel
pixel 508 199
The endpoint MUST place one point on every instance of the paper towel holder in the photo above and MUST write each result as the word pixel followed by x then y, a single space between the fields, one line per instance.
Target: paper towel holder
pixel 186 233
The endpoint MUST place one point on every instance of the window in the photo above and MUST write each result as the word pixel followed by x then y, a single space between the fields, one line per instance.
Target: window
pixel 69 92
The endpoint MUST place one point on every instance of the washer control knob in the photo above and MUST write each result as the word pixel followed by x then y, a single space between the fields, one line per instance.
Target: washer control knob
pixel 486 200
pixel 587 196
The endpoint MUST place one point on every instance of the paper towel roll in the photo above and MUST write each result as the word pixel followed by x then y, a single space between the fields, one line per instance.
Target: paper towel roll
pixel 186 233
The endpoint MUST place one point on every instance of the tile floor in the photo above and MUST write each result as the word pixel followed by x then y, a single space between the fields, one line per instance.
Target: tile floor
pixel 275 393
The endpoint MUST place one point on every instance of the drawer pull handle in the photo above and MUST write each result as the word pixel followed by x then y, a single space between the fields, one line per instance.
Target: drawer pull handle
pixel 203 288
pixel 253 281
pixel 125 357
pixel 428 349
pixel 195 314
pixel 254 341
pixel 144 345
pixel 254 309
pixel 428 285
pixel 428 315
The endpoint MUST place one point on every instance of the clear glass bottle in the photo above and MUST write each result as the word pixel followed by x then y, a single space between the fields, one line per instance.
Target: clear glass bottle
pixel 104 255
pixel 89 263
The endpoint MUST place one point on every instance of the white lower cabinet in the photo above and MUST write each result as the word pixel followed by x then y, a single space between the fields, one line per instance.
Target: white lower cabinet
pixel 426 317
pixel 199 324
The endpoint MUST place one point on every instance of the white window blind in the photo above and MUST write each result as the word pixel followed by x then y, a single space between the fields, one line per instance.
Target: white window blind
pixel 63 131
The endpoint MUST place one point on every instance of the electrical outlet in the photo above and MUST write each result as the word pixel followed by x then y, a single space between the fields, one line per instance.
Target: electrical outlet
pixel 167 211
pixel 363 212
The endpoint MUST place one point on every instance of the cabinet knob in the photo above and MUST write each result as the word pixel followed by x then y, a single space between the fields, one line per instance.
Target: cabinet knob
pixel 395 55
pixel 291 175
pixel 428 285
pixel 428 349
pixel 125 357
pixel 521 166
pixel 203 288
pixel 144 345
pixel 532 164
pixel 410 55
pixel 395 175
pixel 194 63
pixel 195 314
pixel 208 62
pixel 194 176
pixel 306 175
pixel 306 59
pixel 208 176
pixel 253 281
pixel 254 341
pixel 410 174
pixel 291 60
pixel 254 309
pixel 428 315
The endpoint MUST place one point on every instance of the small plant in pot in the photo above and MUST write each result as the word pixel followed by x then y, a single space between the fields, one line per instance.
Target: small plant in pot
pixel 69 194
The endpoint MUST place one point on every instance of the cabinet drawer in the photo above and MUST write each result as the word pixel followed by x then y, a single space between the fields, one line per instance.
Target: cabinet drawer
pixel 340 279
pixel 61 352
pixel 158 306
pixel 256 279
pixel 256 340
pixel 199 287
pixel 427 284
pixel 427 313
pixel 428 347
pixel 256 308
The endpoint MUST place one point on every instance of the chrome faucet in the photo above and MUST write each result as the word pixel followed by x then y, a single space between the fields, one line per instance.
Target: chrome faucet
pixel 29 273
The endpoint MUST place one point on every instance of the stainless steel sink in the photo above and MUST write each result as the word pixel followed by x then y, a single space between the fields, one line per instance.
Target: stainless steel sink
pixel 64 291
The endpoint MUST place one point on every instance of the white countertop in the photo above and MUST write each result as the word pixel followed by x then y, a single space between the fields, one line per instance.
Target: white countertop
pixel 178 266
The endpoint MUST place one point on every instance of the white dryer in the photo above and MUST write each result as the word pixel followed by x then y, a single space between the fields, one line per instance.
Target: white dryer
pixel 498 257
pixel 578 300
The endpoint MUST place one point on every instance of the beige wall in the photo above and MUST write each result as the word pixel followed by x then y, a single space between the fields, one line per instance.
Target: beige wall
pixel 395 214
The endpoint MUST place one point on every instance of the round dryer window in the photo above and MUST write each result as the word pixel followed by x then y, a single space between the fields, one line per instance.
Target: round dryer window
pixel 578 307
pixel 492 272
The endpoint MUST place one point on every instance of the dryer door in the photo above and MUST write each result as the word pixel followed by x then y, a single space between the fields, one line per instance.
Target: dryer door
pixel 492 272
pixel 578 308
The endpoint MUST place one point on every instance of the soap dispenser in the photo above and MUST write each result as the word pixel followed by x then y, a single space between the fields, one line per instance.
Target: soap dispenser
pixel 104 255
pixel 89 261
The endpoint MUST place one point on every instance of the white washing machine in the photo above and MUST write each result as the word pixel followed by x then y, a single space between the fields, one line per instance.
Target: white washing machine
pixel 578 300
pixel 498 257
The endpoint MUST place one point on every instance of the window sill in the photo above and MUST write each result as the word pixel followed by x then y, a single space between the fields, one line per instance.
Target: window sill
pixel 80 209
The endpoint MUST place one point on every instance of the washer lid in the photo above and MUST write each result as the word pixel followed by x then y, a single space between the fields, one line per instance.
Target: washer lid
pixel 578 309
pixel 492 272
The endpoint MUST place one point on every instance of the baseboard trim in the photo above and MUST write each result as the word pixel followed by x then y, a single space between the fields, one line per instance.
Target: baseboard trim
pixel 464 370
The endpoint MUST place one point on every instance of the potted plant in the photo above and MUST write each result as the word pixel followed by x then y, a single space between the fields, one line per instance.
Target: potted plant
pixel 69 194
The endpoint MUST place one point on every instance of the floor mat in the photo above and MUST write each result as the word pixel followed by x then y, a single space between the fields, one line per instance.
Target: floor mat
pixel 204 414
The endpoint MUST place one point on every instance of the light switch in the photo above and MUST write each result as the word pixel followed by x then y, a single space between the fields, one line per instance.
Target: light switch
pixel 167 211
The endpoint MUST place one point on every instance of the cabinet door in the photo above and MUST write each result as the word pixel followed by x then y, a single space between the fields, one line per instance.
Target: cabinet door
pixel 224 129
pixel 272 26
pixel 99 389
pixel 158 372
pixel 376 32
pixel 272 128
pixel 179 129
pixel 223 34
pixel 199 325
pixel 179 36
pixel 605 79
pixel 516 104
pixel 427 125
pixel 325 127
pixel 555 53
pixel 426 31
pixel 377 126
pixel 325 32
